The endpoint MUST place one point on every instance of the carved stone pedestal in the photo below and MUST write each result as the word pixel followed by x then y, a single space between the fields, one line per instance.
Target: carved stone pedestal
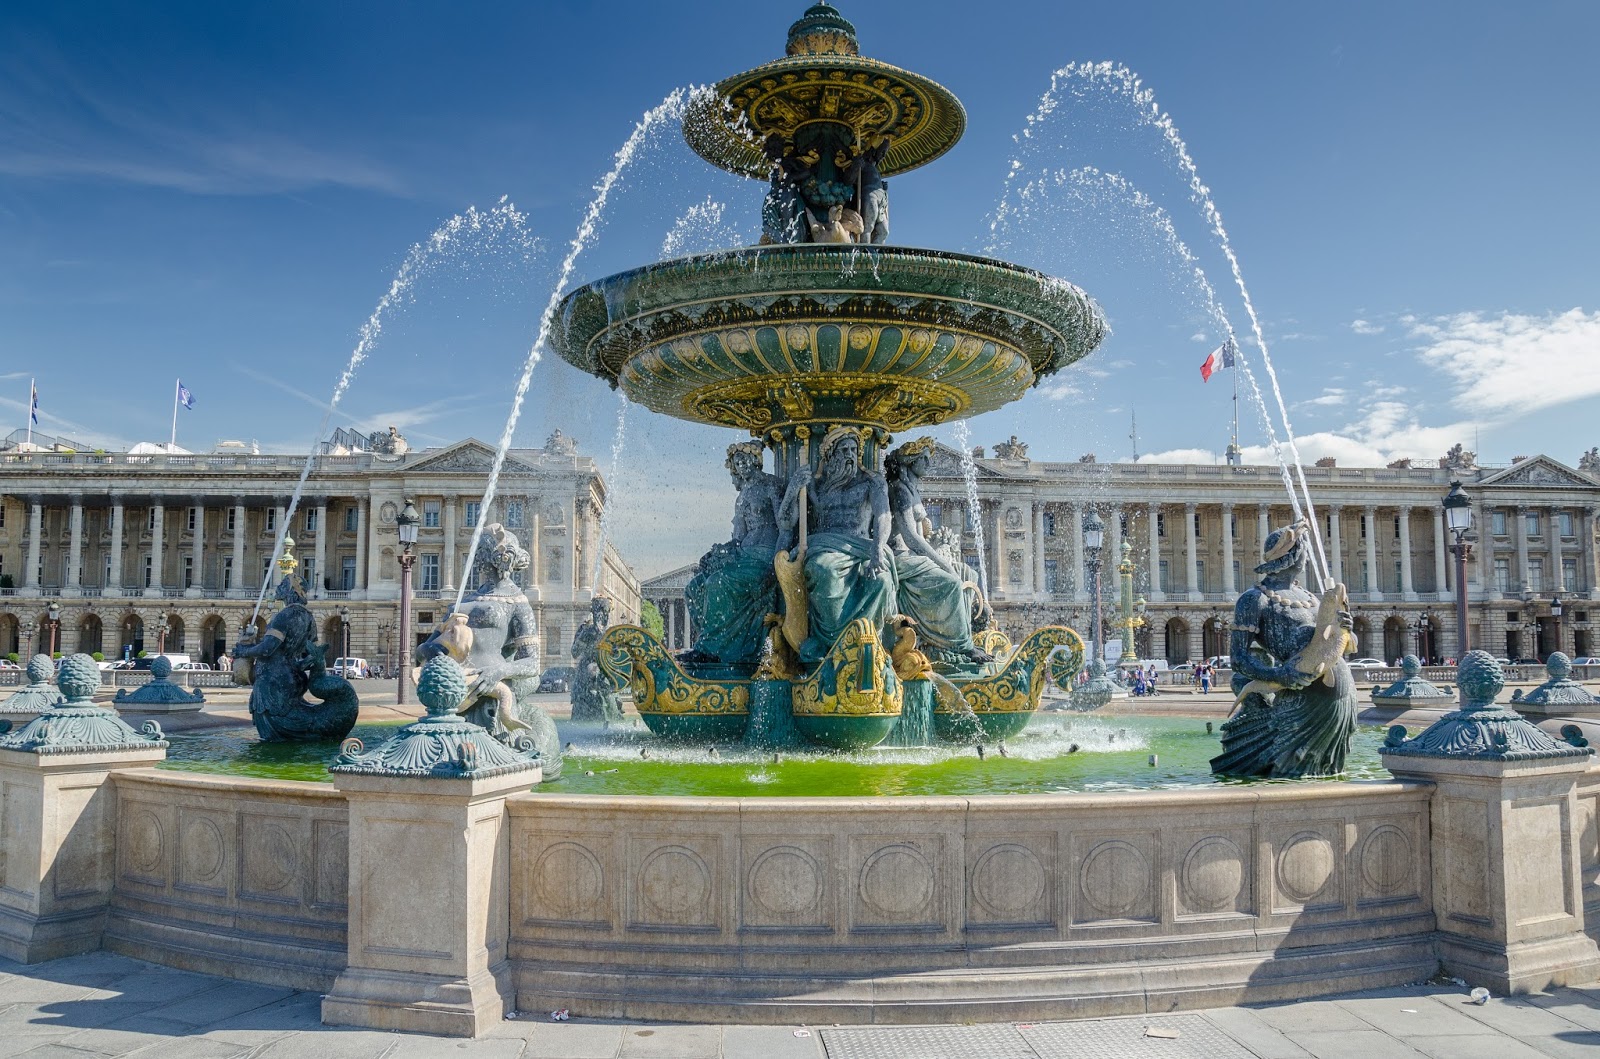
pixel 1506 858
pixel 428 905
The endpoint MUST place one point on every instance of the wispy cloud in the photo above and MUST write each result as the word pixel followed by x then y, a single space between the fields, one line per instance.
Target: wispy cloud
pixel 1366 327
pixel 1329 398
pixel 1511 364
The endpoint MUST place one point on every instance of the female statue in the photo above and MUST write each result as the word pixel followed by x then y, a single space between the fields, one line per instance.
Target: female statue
pixel 502 651
pixel 1305 727
pixel 735 587
pixel 594 697
pixel 932 590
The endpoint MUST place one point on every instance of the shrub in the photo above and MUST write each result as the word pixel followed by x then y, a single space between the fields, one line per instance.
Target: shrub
pixel 650 618
pixel 98 657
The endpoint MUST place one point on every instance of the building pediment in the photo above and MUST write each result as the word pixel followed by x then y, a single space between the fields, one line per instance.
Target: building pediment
pixel 467 457
pixel 946 463
pixel 1540 472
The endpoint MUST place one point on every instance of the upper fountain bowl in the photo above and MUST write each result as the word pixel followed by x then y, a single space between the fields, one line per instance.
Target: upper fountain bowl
pixel 893 337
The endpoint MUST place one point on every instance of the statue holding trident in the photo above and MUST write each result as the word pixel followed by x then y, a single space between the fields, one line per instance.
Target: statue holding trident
pixel 1297 699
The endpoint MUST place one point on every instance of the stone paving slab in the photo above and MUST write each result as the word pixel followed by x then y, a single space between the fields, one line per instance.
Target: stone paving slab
pixel 103 1006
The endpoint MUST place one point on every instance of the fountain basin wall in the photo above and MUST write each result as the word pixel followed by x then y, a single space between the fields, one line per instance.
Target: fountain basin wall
pixel 935 909
pixel 240 877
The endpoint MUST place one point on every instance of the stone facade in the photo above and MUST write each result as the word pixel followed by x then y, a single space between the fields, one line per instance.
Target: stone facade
pixel 119 539
pixel 1196 533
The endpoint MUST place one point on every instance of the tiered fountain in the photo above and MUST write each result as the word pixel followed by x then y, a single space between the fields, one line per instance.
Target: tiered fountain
pixel 822 342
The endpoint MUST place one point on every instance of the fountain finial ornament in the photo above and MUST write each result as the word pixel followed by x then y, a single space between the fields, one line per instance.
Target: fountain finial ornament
pixel 77 725
pixel 441 745
pixel 39 693
pixel 1410 688
pixel 1480 729
pixel 1559 690
pixel 161 691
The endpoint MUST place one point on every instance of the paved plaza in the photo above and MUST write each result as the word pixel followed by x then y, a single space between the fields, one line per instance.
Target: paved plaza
pixel 102 1005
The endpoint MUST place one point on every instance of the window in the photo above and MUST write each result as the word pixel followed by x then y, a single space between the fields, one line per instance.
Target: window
pixel 1536 575
pixel 1363 526
pixel 514 514
pixel 1397 527
pixel 1532 520
pixel 194 517
pixel 552 643
pixel 1569 526
pixel 105 575
pixel 352 519
pixel 970 559
pixel 227 573
pixel 1498 520
pixel 1236 573
pixel 1049 523
pixel 150 520
pixel 1166 582
pixel 1197 523
pixel 149 571
pixel 311 520
pixel 1161 523
pixel 1398 576
pixel 266 569
pixel 232 519
pixel 473 508
pixel 272 520
pixel 1233 525
pixel 1051 576
pixel 1502 575
pixel 430 572
pixel 2 515
pixel 430 514
pixel 1200 575
pixel 1366 572
pixel 1569 575
pixel 188 571
pixel 347 573
pixel 308 570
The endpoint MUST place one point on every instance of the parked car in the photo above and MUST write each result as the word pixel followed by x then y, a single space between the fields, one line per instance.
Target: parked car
pixel 1586 660
pixel 1527 662
pixel 178 661
pixel 351 668
pixel 1368 663
pixel 191 667
pixel 6 663
pixel 557 679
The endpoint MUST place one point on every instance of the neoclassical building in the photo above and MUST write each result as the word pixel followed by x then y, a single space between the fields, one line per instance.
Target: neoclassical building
pixel 1196 534
pixel 120 540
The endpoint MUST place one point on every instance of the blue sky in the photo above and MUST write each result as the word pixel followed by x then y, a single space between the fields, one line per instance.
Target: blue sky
pixel 223 192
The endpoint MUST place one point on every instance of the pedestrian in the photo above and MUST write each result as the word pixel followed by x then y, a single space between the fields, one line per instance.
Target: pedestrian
pixel 1205 678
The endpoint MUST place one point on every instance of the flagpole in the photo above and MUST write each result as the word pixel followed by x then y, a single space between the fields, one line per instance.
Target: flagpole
pixel 33 391
pixel 173 442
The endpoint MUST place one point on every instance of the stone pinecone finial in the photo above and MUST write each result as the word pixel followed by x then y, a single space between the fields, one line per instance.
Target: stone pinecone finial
pixel 78 679
pixel 441 686
pixel 41 669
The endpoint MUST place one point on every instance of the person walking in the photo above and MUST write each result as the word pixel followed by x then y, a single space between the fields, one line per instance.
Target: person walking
pixel 1205 678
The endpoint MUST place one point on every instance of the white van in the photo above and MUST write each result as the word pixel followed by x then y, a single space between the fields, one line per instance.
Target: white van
pixel 351 668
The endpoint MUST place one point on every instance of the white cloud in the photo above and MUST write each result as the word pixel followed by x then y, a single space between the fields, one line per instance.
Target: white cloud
pixel 1199 336
pixel 1059 389
pixel 1513 364
pixel 1181 456
pixel 1329 398
pixel 1365 327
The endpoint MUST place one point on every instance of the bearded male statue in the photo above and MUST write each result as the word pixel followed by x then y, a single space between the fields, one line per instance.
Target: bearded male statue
pixel 735 587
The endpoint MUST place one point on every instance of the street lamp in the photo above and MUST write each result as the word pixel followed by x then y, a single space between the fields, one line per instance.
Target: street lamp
pixel 344 651
pixel 161 635
pixel 385 628
pixel 408 520
pixel 1555 618
pixel 1130 609
pixel 1458 519
pixel 28 628
pixel 1094 538
pixel 1423 627
pixel 54 610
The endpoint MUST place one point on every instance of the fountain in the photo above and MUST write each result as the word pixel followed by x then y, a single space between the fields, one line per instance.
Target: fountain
pixel 823 348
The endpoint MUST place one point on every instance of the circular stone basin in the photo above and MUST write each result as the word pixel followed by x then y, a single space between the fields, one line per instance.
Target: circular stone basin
pixel 895 336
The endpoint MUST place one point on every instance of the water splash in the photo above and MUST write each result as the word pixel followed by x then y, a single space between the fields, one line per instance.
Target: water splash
pixel 504 219
pixel 702 228
pixel 969 472
pixel 1143 104
pixel 670 109
pixel 618 440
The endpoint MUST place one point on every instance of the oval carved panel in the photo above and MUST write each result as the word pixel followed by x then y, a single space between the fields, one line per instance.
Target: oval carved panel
pixel 1304 866
pixel 202 849
pixel 1007 880
pixel 569 882
pixel 1114 878
pixel 1212 875
pixel 897 881
pixel 1386 859
pixel 146 842
pixel 674 884
pixel 272 860
pixel 784 881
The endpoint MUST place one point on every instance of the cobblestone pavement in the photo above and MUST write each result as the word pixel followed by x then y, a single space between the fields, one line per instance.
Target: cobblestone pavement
pixel 101 1005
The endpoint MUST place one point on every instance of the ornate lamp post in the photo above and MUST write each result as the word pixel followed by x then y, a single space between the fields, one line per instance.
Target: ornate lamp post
pixel 1130 609
pixel 344 649
pixel 54 610
pixel 1555 618
pixel 386 643
pixel 1458 519
pixel 161 635
pixel 408 521
pixel 1094 537
pixel 1423 628
pixel 28 628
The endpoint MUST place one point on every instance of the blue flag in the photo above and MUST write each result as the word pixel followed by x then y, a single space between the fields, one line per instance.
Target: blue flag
pixel 185 398
pixel 1228 350
pixel 33 407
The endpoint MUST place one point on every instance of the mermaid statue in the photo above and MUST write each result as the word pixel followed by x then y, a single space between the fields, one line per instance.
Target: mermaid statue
pixel 1297 701
pixel 497 644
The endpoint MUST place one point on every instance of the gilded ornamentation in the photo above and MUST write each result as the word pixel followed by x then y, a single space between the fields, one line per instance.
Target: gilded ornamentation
pixel 660 686
pixel 854 679
pixel 1020 682
pixel 994 642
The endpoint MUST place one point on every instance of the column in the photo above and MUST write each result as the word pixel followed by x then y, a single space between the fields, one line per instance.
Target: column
pixel 240 581
pixel 74 585
pixel 670 609
pixel 1192 556
pixel 1113 553
pixel 197 551
pixel 1153 514
pixel 1263 526
pixel 1441 565
pixel 1553 536
pixel 1336 542
pixel 1484 552
pixel 449 560
pixel 321 552
pixel 1519 533
pixel 1374 581
pixel 158 533
pixel 363 527
pixel 114 580
pixel 535 550
pixel 1080 579
pixel 1038 549
pixel 30 574
pixel 1586 535
pixel 1228 586
pixel 1408 590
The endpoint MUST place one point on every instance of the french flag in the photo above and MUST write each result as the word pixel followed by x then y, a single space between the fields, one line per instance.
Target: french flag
pixel 1221 357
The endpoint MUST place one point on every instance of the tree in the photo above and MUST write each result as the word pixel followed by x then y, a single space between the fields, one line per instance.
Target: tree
pixel 650 618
